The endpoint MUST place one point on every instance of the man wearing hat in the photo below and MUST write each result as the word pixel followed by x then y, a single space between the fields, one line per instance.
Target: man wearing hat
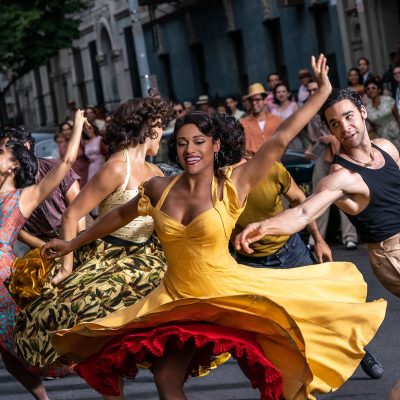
pixel 304 77
pixel 259 125
pixel 203 102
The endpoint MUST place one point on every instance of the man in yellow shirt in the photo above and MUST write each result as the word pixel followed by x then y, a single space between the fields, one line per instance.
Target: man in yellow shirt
pixel 278 251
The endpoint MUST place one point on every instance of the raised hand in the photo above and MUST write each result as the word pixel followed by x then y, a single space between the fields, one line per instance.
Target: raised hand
pixel 79 118
pixel 249 235
pixel 321 69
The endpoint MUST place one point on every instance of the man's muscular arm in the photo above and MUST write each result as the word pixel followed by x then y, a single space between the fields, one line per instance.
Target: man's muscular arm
pixel 329 190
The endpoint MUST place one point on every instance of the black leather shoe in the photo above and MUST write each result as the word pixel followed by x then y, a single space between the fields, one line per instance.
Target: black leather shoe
pixel 371 366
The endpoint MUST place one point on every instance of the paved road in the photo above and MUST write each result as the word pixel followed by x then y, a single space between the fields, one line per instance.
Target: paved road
pixel 228 382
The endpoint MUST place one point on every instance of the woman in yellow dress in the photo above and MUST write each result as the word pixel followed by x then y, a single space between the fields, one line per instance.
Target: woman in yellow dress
pixel 304 328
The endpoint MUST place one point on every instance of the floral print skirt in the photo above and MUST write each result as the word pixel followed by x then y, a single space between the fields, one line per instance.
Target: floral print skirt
pixel 105 278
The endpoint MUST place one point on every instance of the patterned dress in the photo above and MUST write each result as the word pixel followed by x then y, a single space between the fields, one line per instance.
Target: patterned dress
pixel 108 275
pixel 11 221
pixel 386 124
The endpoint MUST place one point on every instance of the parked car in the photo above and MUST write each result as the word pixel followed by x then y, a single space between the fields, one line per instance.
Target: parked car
pixel 45 144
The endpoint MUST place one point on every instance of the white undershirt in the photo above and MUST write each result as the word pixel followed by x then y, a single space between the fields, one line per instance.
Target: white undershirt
pixel 261 124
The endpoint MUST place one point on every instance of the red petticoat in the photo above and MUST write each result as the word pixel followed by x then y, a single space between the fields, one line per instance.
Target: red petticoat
pixel 121 355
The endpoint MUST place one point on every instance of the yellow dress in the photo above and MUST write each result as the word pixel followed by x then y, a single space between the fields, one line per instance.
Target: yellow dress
pixel 312 322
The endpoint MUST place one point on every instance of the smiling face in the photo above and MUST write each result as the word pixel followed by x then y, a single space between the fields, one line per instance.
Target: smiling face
pixel 195 150
pixel 66 131
pixel 281 93
pixel 7 165
pixel 347 123
pixel 372 90
pixel 353 77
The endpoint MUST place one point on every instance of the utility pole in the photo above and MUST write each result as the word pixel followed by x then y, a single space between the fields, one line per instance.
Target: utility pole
pixel 140 46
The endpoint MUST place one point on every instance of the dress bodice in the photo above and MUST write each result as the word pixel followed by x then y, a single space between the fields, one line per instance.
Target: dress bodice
pixel 11 219
pixel 11 222
pixel 138 230
pixel 194 248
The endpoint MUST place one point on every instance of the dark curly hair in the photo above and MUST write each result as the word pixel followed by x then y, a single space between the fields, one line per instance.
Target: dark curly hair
pixel 339 95
pixel 18 135
pixel 224 127
pixel 134 121
pixel 377 82
pixel 25 172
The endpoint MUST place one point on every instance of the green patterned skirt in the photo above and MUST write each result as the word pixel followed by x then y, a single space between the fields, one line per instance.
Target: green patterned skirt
pixel 105 278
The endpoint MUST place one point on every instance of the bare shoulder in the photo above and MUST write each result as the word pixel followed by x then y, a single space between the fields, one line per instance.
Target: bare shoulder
pixel 387 146
pixel 157 171
pixel 155 186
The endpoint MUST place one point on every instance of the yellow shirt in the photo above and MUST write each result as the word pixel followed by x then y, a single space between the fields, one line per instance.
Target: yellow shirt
pixel 265 201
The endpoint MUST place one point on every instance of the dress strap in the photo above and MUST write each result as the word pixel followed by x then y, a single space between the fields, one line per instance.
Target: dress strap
pixel 128 171
pixel 167 190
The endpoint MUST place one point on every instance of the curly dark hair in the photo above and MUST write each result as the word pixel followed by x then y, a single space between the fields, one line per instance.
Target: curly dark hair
pixel 18 135
pixel 25 172
pixel 375 81
pixel 224 127
pixel 134 121
pixel 339 95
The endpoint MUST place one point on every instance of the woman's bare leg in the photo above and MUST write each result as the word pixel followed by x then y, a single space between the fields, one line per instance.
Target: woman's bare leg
pixel 28 379
pixel 169 373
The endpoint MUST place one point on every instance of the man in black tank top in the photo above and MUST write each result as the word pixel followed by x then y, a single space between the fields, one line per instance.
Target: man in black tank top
pixel 364 182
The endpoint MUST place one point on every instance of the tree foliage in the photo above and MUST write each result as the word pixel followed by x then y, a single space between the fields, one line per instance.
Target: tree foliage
pixel 32 31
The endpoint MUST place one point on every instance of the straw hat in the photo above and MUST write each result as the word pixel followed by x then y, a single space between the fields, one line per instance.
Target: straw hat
pixel 203 99
pixel 256 88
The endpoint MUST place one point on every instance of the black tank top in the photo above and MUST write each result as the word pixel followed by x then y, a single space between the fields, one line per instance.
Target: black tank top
pixel 381 219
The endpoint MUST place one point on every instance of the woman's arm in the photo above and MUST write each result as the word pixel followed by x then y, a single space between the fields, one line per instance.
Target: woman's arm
pixel 112 221
pixel 103 183
pixel 249 174
pixel 33 195
pixel 30 240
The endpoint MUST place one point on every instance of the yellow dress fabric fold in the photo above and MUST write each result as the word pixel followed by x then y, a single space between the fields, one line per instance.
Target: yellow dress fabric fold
pixel 30 273
pixel 311 322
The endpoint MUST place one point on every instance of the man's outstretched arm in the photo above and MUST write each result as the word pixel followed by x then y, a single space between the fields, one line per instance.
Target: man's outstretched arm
pixel 294 219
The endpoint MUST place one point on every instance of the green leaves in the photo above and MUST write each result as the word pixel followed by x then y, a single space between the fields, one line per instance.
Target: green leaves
pixel 32 31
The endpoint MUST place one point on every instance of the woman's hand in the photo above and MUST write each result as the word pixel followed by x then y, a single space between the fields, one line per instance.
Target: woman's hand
pixel 249 235
pixel 56 248
pixel 320 70
pixel 79 118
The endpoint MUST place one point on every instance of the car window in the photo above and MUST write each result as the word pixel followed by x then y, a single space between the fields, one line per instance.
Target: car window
pixel 47 149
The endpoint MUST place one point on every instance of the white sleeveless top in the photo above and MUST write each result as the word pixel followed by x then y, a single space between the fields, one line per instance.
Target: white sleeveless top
pixel 138 230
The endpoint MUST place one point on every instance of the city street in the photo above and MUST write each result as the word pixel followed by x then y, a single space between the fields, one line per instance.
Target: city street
pixel 228 383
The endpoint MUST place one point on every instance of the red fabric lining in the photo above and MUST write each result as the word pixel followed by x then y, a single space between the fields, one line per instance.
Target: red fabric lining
pixel 121 356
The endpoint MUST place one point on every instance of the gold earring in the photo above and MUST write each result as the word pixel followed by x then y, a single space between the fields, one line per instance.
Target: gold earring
pixel 215 155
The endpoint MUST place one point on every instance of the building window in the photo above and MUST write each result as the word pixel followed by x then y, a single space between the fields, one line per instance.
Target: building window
pixel 274 37
pixel 52 93
pixel 240 58
pixel 166 65
pixel 199 68
pixel 325 40
pixel 40 98
pixel 98 87
pixel 132 62
pixel 80 76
